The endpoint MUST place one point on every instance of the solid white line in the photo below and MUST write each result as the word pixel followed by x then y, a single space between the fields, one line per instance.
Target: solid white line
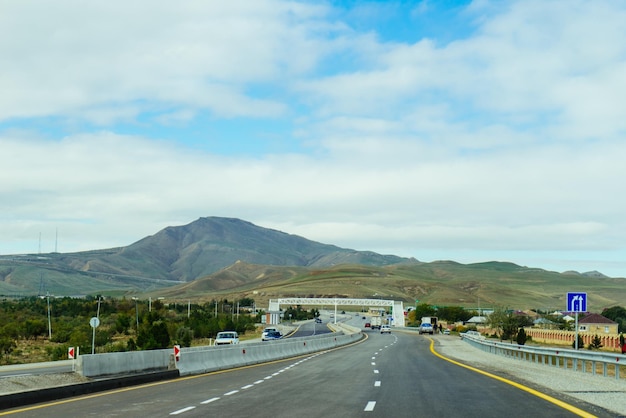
pixel 267 377
pixel 247 386
pixel 180 411
pixel 209 401
pixel 377 383
pixel 370 406
pixel 258 381
pixel 232 392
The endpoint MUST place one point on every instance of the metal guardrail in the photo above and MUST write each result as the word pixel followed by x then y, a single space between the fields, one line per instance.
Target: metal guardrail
pixel 576 360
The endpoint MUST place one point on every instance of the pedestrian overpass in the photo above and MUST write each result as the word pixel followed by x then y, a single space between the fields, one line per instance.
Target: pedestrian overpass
pixel 397 308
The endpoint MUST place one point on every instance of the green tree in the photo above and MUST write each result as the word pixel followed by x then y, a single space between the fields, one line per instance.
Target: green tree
pixel 521 336
pixel 424 309
pixel 34 328
pixel 122 323
pixel 507 323
pixel 7 346
pixel 596 343
pixel 184 336
pixel 617 314
pixel 454 313
pixel 153 333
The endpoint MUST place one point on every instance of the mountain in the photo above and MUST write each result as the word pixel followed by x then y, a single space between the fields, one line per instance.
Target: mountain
pixel 185 253
pixel 231 258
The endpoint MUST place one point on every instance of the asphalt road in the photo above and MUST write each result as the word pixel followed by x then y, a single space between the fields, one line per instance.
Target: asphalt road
pixel 385 375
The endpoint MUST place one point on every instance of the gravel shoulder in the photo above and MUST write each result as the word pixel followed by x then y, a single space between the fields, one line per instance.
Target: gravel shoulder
pixel 24 383
pixel 604 392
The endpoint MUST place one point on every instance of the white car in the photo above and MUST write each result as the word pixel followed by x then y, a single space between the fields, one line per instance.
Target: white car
pixel 385 329
pixel 426 329
pixel 226 337
pixel 267 331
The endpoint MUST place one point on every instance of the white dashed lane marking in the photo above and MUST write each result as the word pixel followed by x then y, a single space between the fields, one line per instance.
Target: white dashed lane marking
pixel 370 406
pixel 232 392
pixel 377 383
pixel 180 411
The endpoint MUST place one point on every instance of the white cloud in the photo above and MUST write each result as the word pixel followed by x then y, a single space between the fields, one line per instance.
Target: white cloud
pixel 59 59
pixel 509 139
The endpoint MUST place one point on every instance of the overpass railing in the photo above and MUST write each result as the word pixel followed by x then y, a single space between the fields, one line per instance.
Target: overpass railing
pixel 605 364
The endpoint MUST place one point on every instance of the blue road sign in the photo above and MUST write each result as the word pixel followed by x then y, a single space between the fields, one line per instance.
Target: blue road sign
pixel 576 302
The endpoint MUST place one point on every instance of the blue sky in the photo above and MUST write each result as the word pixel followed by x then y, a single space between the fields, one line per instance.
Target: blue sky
pixel 468 131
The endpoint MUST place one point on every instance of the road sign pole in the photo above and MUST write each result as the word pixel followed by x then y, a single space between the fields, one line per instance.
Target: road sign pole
pixel 576 333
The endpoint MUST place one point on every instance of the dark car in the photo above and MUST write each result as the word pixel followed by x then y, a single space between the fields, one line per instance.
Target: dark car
pixel 318 320
pixel 273 335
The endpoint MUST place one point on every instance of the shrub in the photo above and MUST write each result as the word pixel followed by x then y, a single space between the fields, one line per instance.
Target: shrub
pixel 596 343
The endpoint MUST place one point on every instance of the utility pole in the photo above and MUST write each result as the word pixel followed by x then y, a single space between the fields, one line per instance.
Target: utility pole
pixel 49 322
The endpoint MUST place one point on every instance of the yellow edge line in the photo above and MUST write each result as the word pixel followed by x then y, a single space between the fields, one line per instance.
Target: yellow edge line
pixel 534 392
pixel 163 382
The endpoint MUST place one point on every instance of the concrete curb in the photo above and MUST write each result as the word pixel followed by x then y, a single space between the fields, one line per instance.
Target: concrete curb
pixel 18 399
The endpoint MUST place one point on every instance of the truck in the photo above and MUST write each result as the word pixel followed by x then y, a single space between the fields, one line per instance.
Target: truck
pixel 432 320
pixel 377 322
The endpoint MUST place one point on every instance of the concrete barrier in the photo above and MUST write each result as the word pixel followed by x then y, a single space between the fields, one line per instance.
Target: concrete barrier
pixel 111 364
pixel 196 360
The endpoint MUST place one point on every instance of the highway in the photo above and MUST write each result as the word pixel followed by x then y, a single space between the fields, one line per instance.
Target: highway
pixel 385 375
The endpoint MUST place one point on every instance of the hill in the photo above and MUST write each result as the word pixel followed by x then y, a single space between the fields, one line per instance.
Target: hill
pixel 441 283
pixel 173 255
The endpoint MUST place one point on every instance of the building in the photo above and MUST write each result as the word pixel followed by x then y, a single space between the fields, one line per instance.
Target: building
pixel 597 324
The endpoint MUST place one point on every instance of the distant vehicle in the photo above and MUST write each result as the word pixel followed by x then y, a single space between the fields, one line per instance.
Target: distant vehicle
pixel 363 318
pixel 446 332
pixel 426 329
pixel 273 335
pixel 368 325
pixel 318 320
pixel 267 331
pixel 385 329
pixel 226 337
pixel 432 320
pixel 377 321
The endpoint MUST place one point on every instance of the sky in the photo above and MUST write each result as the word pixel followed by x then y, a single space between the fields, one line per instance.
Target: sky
pixel 460 130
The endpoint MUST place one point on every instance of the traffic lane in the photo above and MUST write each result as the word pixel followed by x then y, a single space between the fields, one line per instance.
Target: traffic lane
pixel 309 328
pixel 330 384
pixel 257 390
pixel 417 383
